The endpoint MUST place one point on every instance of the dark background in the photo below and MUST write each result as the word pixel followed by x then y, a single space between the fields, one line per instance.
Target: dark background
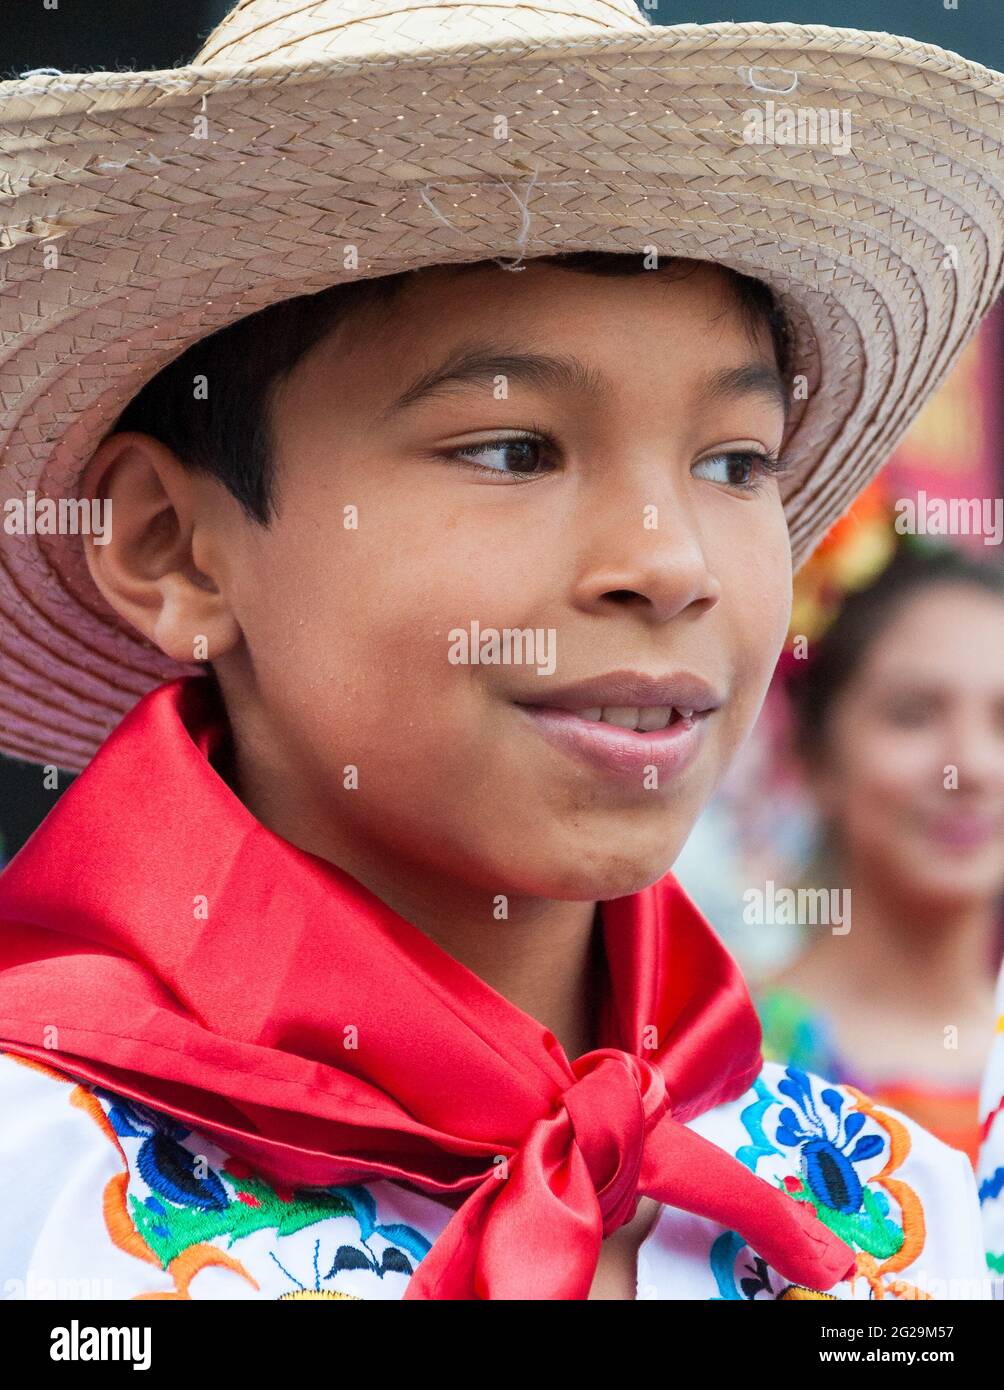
pixel 88 34
pixel 82 35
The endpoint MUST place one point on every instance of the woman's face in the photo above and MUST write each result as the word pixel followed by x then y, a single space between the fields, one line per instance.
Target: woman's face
pixel 914 757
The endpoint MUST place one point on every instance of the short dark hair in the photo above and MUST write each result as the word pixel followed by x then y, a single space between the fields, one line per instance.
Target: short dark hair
pixel 916 564
pixel 229 436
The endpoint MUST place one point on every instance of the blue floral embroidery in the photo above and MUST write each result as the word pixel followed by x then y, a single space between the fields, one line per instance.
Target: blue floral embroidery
pixel 813 1150
pixel 828 1168
pixel 191 1202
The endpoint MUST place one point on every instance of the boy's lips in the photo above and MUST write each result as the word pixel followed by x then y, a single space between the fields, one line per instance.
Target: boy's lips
pixel 671 713
pixel 683 690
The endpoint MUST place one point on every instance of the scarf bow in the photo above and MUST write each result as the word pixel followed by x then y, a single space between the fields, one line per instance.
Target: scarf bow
pixel 577 1178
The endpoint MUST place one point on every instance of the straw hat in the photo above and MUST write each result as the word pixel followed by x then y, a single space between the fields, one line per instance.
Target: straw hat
pixel 141 211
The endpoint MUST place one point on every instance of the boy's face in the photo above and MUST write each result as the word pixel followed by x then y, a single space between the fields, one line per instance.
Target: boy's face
pixel 631 543
pixel 635 559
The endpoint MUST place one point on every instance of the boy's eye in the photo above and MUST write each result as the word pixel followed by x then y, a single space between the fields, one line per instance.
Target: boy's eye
pixel 529 455
pixel 742 468
pixel 522 456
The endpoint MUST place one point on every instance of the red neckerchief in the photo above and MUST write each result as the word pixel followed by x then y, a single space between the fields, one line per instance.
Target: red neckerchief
pixel 190 959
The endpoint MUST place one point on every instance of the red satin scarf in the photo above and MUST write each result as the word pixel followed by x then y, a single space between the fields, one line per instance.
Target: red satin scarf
pixel 190 959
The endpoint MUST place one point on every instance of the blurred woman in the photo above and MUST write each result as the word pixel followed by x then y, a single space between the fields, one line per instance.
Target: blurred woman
pixel 899 727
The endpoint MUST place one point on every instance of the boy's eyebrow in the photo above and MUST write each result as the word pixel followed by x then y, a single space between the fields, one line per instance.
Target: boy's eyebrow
pixel 483 362
pixel 753 379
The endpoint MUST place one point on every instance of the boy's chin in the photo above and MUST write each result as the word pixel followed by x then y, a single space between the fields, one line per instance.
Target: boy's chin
pixel 602 877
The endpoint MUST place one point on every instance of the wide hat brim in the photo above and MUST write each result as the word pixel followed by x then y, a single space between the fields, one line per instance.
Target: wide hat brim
pixel 887 254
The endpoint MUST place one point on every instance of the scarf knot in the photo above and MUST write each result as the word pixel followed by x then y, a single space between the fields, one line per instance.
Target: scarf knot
pixel 572 1181
pixel 614 1102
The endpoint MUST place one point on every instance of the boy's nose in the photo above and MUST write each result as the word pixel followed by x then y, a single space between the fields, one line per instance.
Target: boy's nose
pixel 660 570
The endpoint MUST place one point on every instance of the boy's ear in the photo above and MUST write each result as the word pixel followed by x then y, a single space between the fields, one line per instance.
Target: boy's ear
pixel 153 562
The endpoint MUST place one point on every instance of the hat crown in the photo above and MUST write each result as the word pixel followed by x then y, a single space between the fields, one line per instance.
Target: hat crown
pixel 257 31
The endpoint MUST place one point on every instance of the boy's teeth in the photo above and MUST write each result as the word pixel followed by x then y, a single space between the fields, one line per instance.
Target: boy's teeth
pixel 621 715
pixel 626 717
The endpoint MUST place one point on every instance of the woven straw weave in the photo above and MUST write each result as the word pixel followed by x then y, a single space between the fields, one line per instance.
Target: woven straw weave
pixel 353 122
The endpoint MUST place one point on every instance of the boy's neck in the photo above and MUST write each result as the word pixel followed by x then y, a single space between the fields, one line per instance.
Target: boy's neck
pixel 546 957
pixel 547 960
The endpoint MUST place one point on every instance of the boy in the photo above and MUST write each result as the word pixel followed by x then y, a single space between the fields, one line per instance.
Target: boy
pixel 367 930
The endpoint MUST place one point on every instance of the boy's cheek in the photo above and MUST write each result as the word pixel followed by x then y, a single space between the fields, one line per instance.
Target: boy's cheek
pixel 756 593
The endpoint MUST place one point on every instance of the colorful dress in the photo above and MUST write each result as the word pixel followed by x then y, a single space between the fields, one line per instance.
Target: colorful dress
pixel 795 1031
pixel 990 1167
pixel 104 1198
